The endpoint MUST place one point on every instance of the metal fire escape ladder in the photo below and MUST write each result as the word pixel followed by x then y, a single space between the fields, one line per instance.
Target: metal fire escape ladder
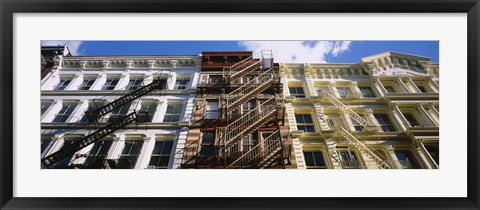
pixel 87 140
pixel 249 122
pixel 249 90
pixel 240 69
pixel 95 114
pixel 352 139
pixel 346 110
pixel 260 153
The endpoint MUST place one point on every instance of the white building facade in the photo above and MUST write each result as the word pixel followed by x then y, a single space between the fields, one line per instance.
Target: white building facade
pixel 77 85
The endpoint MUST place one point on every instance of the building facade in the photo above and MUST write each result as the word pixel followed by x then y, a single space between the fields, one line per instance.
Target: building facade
pixel 117 112
pixel 230 110
pixel 380 113
pixel 238 120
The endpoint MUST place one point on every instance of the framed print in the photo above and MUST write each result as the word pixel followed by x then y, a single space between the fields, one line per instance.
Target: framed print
pixel 249 95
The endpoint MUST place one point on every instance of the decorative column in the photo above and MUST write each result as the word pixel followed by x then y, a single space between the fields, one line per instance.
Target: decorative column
pixel 409 79
pixel 334 89
pixel 433 84
pixel 401 84
pixel 379 86
pixel 425 114
pixel 398 114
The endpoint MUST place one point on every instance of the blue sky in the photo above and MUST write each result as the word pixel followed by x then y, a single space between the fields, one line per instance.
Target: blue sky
pixel 283 51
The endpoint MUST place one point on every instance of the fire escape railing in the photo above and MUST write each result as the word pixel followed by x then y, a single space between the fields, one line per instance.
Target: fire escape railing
pixel 87 140
pixel 95 114
pixel 241 68
pixel 349 136
pixel 237 128
pixel 260 152
pixel 248 90
pixel 345 109
pixel 361 146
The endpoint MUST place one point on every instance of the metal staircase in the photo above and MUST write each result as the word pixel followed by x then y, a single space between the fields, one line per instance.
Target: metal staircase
pixel 346 110
pixel 263 154
pixel 240 69
pixel 362 148
pixel 87 140
pixel 96 114
pixel 155 85
pixel 249 90
pixel 349 136
pixel 248 123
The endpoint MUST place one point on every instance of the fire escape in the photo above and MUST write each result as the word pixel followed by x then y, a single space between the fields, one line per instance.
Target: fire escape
pixel 352 139
pixel 273 149
pixel 94 117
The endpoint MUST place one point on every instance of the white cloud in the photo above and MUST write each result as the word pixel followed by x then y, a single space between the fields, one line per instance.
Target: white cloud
pixel 75 47
pixel 298 51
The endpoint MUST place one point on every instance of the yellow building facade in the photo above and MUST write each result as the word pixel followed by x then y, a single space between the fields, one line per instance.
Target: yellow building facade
pixel 380 113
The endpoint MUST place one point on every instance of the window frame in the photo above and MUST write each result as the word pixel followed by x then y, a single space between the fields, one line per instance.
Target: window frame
pixel 315 166
pixel 304 123
pixel 382 126
pixel 177 86
pixel 161 154
pixel 108 83
pixel 296 94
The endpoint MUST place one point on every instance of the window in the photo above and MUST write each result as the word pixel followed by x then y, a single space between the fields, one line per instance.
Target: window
pixel 334 120
pixel 92 106
pixel 357 125
pixel 406 159
pixel 305 123
pixel 212 110
pixel 110 84
pixel 434 152
pixel 314 160
pixel 322 90
pixel 367 92
pixel 246 79
pixel 207 146
pixel 384 122
pixel 297 92
pixel 411 119
pixel 99 151
pixel 249 106
pixel 45 106
pixel 64 163
pixel 147 112
pixel 349 160
pixel 422 89
pixel 161 154
pixel 389 89
pixel 249 141
pixel 86 84
pixel 173 112
pixel 343 91
pixel 134 83
pixel 64 113
pixel 62 84
pixel 45 145
pixel 130 153
pixel 181 84
pixel 215 79
pixel 119 113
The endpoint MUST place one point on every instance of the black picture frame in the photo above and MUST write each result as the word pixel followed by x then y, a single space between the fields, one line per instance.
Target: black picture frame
pixel 10 7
